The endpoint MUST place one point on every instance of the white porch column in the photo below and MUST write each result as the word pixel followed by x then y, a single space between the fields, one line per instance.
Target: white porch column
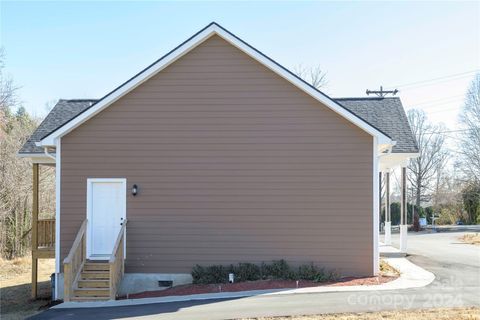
pixel 403 211
pixel 388 219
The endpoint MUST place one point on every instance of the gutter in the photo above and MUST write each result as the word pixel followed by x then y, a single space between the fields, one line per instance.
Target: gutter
pixel 45 150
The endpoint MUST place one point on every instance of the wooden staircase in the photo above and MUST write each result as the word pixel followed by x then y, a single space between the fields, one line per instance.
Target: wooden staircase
pixel 89 280
pixel 93 283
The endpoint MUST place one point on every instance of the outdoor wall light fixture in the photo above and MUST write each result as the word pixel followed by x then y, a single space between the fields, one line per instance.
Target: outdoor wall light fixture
pixel 134 190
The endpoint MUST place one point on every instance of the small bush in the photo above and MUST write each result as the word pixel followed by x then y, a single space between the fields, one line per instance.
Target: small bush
pixel 312 273
pixel 307 272
pixel 247 272
pixel 277 270
pixel 325 276
pixel 211 274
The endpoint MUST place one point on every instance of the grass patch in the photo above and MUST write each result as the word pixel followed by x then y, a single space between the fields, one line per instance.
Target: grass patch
pixel 387 270
pixel 471 238
pixel 429 314
pixel 15 287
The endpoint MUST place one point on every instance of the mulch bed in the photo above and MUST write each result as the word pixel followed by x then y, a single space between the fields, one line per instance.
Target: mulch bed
pixel 189 289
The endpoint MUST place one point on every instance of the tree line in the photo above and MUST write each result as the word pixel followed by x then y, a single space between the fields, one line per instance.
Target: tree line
pixel 452 194
pixel 16 125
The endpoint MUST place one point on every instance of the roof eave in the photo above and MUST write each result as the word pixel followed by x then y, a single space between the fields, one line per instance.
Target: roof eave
pixel 36 157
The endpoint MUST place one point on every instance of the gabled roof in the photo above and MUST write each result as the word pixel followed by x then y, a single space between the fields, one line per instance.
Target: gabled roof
pixel 212 29
pixel 62 112
pixel 385 113
pixel 388 115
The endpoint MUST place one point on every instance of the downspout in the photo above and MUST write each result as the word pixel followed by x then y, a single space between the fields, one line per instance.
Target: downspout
pixel 45 150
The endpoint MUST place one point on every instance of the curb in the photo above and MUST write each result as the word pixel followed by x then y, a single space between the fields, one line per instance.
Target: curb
pixel 411 276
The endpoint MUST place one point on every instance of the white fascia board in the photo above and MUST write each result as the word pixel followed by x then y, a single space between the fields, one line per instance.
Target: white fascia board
pixel 58 186
pixel 127 87
pixel 394 160
pixel 284 73
pixel 212 29
pixel 376 208
pixel 36 158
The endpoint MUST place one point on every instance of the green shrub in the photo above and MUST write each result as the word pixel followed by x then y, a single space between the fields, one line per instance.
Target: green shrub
pixel 247 272
pixel 278 270
pixel 312 273
pixel 324 276
pixel 307 272
pixel 211 274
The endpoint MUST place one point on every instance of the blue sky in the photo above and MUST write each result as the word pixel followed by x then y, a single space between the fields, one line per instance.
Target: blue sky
pixel 85 49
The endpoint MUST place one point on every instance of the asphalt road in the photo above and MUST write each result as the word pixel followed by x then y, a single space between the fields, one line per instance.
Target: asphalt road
pixel 455 265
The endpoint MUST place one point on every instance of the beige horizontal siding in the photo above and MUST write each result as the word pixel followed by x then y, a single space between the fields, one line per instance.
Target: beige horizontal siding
pixel 233 163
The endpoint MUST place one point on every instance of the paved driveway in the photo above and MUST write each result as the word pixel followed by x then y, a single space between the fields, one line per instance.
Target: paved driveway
pixel 457 283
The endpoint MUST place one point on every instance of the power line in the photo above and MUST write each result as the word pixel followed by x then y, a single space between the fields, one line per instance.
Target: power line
pixel 440 99
pixel 444 110
pixel 465 74
pixel 432 83
pixel 433 104
pixel 439 111
pixel 459 130
pixel 448 131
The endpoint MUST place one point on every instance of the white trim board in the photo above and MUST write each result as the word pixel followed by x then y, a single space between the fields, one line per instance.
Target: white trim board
pixel 392 160
pixel 58 175
pixel 200 37
pixel 376 209
pixel 39 158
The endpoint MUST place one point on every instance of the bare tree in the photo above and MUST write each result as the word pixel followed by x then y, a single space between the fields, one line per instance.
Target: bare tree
pixel 470 121
pixel 16 125
pixel 425 171
pixel 8 91
pixel 313 75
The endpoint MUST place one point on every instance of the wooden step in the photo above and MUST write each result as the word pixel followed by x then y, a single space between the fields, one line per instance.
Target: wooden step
pixel 91 292
pixel 96 267
pixel 84 299
pixel 95 275
pixel 93 283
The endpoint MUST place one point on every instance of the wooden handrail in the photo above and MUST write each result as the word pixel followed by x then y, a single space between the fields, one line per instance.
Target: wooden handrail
pixel 117 261
pixel 76 242
pixel 117 242
pixel 73 263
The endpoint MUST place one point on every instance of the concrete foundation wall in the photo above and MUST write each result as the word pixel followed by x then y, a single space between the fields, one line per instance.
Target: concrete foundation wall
pixel 141 282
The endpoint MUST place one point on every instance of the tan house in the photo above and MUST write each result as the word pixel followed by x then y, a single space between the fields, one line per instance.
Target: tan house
pixel 214 154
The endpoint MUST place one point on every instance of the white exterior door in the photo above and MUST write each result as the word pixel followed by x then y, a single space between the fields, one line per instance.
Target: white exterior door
pixel 106 210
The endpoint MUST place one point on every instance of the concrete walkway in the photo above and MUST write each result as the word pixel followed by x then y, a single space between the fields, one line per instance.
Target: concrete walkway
pixel 411 276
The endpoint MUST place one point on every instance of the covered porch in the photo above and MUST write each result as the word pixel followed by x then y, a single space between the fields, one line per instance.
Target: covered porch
pixel 389 164
pixel 43 232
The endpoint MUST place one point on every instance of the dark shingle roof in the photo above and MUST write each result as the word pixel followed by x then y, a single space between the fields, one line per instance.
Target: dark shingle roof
pixel 386 114
pixel 63 111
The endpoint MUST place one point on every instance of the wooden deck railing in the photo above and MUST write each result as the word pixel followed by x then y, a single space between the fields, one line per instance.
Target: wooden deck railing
pixel 73 263
pixel 46 233
pixel 117 261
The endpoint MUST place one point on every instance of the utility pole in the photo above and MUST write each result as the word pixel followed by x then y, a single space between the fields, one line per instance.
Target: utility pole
pixel 381 93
